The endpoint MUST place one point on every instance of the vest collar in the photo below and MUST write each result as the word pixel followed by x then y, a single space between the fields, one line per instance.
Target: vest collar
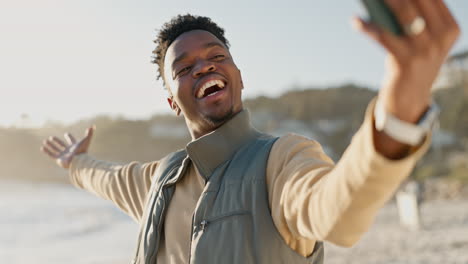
pixel 212 149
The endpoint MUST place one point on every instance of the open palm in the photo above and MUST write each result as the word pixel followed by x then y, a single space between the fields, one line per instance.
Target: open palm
pixel 63 152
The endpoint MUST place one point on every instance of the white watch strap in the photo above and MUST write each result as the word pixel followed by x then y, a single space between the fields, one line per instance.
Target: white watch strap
pixel 404 132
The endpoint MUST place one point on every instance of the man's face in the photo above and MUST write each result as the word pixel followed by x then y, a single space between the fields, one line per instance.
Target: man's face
pixel 203 81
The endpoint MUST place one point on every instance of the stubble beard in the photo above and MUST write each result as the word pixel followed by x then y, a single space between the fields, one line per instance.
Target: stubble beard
pixel 217 121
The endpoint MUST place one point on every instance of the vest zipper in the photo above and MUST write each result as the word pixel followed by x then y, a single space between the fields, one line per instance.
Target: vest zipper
pixel 191 236
pixel 203 224
pixel 193 220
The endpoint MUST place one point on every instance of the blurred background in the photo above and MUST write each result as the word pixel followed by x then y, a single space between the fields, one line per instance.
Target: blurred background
pixel 66 65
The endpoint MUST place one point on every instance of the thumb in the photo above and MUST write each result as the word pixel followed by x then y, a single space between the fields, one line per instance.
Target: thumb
pixel 89 132
pixel 83 145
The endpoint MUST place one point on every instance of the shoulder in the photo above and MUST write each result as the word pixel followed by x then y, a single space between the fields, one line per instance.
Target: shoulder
pixel 292 141
pixel 169 162
pixel 293 146
pixel 174 156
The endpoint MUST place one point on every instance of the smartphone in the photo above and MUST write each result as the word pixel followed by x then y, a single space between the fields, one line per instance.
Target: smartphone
pixel 381 15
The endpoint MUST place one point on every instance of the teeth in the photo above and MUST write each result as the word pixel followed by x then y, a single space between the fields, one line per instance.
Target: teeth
pixel 201 92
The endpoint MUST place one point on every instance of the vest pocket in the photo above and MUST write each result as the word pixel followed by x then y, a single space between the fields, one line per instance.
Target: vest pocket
pixel 226 238
pixel 212 220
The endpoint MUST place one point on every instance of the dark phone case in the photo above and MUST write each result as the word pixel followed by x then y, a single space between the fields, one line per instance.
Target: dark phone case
pixel 381 15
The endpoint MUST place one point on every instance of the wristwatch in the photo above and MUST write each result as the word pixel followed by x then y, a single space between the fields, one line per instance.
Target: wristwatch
pixel 402 131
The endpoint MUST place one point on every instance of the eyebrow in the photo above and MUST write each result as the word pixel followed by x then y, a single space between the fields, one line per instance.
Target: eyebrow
pixel 206 46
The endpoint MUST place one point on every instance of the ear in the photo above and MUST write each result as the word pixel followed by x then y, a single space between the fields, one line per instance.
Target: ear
pixel 173 105
pixel 242 82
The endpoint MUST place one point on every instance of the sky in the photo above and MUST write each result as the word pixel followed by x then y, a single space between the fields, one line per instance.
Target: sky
pixel 66 60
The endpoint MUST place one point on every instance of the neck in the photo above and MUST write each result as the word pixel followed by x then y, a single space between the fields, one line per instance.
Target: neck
pixel 210 125
pixel 210 150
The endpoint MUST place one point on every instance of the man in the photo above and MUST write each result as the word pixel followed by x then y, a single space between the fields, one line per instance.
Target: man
pixel 235 195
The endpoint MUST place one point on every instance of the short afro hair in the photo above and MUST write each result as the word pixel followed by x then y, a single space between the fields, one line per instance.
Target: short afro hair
pixel 176 27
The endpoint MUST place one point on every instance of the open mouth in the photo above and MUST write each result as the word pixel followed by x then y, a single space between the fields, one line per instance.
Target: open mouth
pixel 210 88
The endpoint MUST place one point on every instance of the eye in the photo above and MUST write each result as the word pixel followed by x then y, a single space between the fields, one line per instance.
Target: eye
pixel 219 57
pixel 184 70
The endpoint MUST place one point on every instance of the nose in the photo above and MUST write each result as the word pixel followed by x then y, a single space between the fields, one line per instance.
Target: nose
pixel 203 67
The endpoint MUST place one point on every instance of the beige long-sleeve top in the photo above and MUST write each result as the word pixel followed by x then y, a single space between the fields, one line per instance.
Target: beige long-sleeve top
pixel 311 198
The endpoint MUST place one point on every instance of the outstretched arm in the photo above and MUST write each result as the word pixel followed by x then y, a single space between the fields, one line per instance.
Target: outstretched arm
pixel 126 185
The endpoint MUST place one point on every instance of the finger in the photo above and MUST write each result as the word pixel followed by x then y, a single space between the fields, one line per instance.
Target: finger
pixel 451 30
pixel 89 133
pixel 83 145
pixel 406 12
pixel 431 14
pixel 59 142
pixel 48 152
pixel 445 13
pixel 392 43
pixel 52 146
pixel 70 138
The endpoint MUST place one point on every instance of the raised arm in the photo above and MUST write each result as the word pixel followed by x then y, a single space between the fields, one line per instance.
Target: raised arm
pixel 311 198
pixel 413 62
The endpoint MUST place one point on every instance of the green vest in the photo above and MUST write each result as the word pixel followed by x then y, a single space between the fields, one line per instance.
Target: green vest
pixel 232 221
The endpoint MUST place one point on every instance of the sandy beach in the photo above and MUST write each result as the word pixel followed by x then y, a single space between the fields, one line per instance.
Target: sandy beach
pixel 56 223
pixel 443 238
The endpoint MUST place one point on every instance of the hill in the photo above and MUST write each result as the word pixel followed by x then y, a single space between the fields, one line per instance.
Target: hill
pixel 330 116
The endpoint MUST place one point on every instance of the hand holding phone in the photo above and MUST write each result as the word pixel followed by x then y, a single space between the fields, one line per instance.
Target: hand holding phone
pixel 417 35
